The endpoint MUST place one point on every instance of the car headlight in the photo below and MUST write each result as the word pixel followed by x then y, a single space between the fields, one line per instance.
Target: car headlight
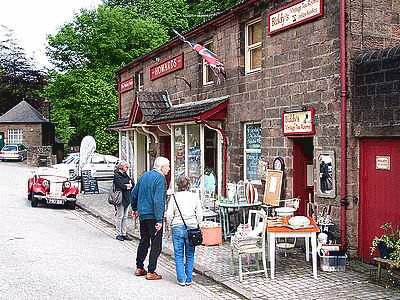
pixel 46 183
pixel 67 184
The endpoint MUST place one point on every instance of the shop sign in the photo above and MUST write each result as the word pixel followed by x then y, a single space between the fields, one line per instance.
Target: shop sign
pixel 382 162
pixel 126 85
pixel 299 122
pixel 166 67
pixel 294 14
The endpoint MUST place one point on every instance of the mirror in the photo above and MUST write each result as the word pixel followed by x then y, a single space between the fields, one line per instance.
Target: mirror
pixel 326 170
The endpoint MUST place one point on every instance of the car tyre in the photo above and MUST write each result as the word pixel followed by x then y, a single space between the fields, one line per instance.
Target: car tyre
pixel 30 197
pixel 34 202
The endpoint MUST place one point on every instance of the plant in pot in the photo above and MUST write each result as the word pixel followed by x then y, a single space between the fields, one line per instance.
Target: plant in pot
pixel 388 244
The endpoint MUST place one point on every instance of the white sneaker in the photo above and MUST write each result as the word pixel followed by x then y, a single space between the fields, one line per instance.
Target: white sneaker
pixel 180 283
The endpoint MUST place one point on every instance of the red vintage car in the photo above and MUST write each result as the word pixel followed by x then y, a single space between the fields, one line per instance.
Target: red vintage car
pixel 52 189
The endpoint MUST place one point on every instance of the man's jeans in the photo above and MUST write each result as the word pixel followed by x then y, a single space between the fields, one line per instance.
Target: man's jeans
pixel 149 235
pixel 121 219
pixel 184 254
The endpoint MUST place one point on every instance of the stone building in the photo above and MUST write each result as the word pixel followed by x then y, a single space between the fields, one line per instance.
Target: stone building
pixel 292 100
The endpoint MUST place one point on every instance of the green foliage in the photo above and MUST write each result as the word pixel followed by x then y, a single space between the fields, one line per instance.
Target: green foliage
pixel 391 238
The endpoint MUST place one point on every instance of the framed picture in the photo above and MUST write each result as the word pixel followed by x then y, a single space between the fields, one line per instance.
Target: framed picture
pixel 273 186
pixel 326 178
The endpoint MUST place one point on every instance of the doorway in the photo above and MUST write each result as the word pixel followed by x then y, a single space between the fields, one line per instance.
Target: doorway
pixel 303 156
pixel 1 140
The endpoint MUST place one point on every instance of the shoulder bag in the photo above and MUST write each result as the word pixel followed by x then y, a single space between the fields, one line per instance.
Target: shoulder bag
pixel 114 197
pixel 194 234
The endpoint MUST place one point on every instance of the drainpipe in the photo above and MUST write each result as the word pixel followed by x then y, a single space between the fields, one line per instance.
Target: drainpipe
pixel 343 124
pixel 224 153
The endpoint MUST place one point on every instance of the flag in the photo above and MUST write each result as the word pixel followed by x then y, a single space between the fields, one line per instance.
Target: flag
pixel 209 57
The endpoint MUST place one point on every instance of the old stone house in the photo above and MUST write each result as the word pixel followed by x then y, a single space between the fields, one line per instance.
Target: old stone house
pixel 297 97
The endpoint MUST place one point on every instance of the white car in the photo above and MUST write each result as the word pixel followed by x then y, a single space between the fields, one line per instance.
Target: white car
pixel 101 165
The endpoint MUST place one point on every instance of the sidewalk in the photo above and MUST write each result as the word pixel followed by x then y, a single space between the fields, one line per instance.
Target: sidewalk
pixel 293 275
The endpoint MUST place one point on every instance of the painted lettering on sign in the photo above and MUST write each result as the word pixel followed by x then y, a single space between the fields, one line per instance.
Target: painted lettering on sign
pixel 294 14
pixel 382 162
pixel 298 123
pixel 166 67
pixel 126 85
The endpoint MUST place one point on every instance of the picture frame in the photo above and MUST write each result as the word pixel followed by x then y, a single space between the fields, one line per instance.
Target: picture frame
pixel 273 186
pixel 326 174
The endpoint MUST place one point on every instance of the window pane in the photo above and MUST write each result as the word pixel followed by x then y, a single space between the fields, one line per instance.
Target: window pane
pixel 179 143
pixel 253 136
pixel 194 152
pixel 255 58
pixel 255 33
pixel 252 160
pixel 208 73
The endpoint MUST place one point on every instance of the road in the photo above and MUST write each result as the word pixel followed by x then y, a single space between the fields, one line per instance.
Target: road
pixel 54 253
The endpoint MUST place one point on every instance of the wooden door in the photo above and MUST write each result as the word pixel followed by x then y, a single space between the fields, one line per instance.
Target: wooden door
pixel 379 191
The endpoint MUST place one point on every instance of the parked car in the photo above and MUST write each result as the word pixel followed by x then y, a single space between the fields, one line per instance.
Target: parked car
pixel 102 166
pixel 48 188
pixel 14 152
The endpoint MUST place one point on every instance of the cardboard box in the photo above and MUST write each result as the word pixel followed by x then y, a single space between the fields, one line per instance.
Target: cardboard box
pixel 212 236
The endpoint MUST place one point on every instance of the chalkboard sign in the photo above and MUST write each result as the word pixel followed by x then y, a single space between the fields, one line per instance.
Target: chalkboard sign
pixel 89 183
pixel 253 136
pixel 252 161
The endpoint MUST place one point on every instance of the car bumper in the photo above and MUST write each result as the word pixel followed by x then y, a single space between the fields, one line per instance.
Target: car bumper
pixel 54 199
pixel 8 157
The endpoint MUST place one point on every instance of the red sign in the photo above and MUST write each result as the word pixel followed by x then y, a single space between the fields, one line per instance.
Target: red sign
pixel 126 85
pixel 298 122
pixel 294 14
pixel 166 67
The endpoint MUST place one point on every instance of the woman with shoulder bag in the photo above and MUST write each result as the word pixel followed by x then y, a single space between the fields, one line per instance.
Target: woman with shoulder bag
pixel 191 212
pixel 122 182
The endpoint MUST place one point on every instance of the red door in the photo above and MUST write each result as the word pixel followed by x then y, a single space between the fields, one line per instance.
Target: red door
pixel 379 191
pixel 303 150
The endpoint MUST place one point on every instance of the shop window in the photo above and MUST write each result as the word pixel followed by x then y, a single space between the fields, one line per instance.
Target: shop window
pixel 207 71
pixel 15 136
pixel 253 49
pixel 252 151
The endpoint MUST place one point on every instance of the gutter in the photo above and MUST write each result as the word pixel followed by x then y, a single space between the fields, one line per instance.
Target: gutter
pixel 343 124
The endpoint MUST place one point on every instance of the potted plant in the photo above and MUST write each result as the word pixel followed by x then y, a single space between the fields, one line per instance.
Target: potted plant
pixel 388 244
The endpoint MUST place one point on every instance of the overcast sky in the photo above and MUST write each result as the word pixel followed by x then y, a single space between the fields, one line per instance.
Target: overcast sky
pixel 33 20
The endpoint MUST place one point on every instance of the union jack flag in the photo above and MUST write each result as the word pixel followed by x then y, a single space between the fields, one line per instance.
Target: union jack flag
pixel 209 57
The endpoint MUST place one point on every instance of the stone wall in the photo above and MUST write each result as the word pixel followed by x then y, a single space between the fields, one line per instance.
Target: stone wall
pixel 32 133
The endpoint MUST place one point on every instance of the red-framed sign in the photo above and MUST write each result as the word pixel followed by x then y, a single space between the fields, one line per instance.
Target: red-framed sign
pixel 126 85
pixel 293 14
pixel 166 67
pixel 298 122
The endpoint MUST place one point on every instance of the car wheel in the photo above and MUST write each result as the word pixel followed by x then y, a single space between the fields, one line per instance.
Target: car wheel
pixel 30 196
pixel 34 201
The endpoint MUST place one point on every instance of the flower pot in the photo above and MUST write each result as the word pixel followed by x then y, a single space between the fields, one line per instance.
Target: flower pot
pixel 384 250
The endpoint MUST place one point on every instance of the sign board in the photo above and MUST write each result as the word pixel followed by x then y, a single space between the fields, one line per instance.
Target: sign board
pixel 273 185
pixel 166 67
pixel 294 14
pixel 299 122
pixel 382 162
pixel 126 85
pixel 89 183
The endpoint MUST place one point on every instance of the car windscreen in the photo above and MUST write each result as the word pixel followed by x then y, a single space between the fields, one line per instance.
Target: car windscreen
pixel 9 148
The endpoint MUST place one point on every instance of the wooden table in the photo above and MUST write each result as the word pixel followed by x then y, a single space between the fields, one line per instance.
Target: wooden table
pixel 274 232
pixel 382 261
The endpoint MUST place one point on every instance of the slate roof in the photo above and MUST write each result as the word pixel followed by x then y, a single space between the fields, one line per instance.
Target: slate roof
pixel 370 56
pixel 153 103
pixel 23 112
pixel 120 123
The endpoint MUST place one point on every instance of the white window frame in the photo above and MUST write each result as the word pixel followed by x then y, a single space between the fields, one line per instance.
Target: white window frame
pixel 206 67
pixel 15 136
pixel 139 77
pixel 248 47
pixel 246 151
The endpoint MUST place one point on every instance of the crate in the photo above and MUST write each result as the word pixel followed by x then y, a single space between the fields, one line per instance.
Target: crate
pixel 212 236
pixel 332 263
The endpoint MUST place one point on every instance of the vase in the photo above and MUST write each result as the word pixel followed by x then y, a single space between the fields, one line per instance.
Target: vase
pixel 384 250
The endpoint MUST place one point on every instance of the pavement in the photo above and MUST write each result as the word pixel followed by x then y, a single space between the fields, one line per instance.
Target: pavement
pixel 293 275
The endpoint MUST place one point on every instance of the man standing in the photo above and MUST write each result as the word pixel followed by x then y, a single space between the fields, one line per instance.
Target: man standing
pixel 148 200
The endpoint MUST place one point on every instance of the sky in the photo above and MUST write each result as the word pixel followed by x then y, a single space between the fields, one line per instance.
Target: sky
pixel 33 20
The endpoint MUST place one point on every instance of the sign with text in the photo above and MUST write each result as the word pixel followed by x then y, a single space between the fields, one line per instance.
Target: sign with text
pixel 299 122
pixel 166 67
pixel 126 85
pixel 382 162
pixel 294 14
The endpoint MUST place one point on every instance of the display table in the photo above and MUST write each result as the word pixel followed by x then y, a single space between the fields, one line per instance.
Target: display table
pixel 224 214
pixel 283 231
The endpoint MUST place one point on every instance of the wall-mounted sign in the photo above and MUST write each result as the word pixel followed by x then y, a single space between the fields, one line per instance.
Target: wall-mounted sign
pixel 299 122
pixel 294 14
pixel 166 67
pixel 126 85
pixel 382 162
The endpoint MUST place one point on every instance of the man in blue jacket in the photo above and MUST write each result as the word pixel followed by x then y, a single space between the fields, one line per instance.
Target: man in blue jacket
pixel 148 201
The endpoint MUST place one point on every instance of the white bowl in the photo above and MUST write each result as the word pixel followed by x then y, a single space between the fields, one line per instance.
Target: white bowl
pixel 285 211
pixel 299 221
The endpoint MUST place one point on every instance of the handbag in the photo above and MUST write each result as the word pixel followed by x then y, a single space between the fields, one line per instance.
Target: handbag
pixel 114 197
pixel 195 236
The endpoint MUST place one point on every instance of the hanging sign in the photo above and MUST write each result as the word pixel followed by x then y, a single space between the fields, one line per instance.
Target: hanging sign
pixel 166 67
pixel 294 14
pixel 299 122
pixel 126 85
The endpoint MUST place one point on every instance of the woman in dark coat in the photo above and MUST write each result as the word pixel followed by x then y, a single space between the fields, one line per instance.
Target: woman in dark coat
pixel 122 182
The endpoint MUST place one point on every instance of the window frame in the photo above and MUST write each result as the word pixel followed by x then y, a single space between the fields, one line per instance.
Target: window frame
pixel 249 48
pixel 139 78
pixel 248 150
pixel 15 136
pixel 205 67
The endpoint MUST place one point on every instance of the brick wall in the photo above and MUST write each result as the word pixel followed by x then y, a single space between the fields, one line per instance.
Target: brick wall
pixel 32 133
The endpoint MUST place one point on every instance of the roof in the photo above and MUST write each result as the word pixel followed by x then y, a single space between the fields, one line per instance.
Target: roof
pixel 153 103
pixel 120 123
pixel 23 112
pixel 370 56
